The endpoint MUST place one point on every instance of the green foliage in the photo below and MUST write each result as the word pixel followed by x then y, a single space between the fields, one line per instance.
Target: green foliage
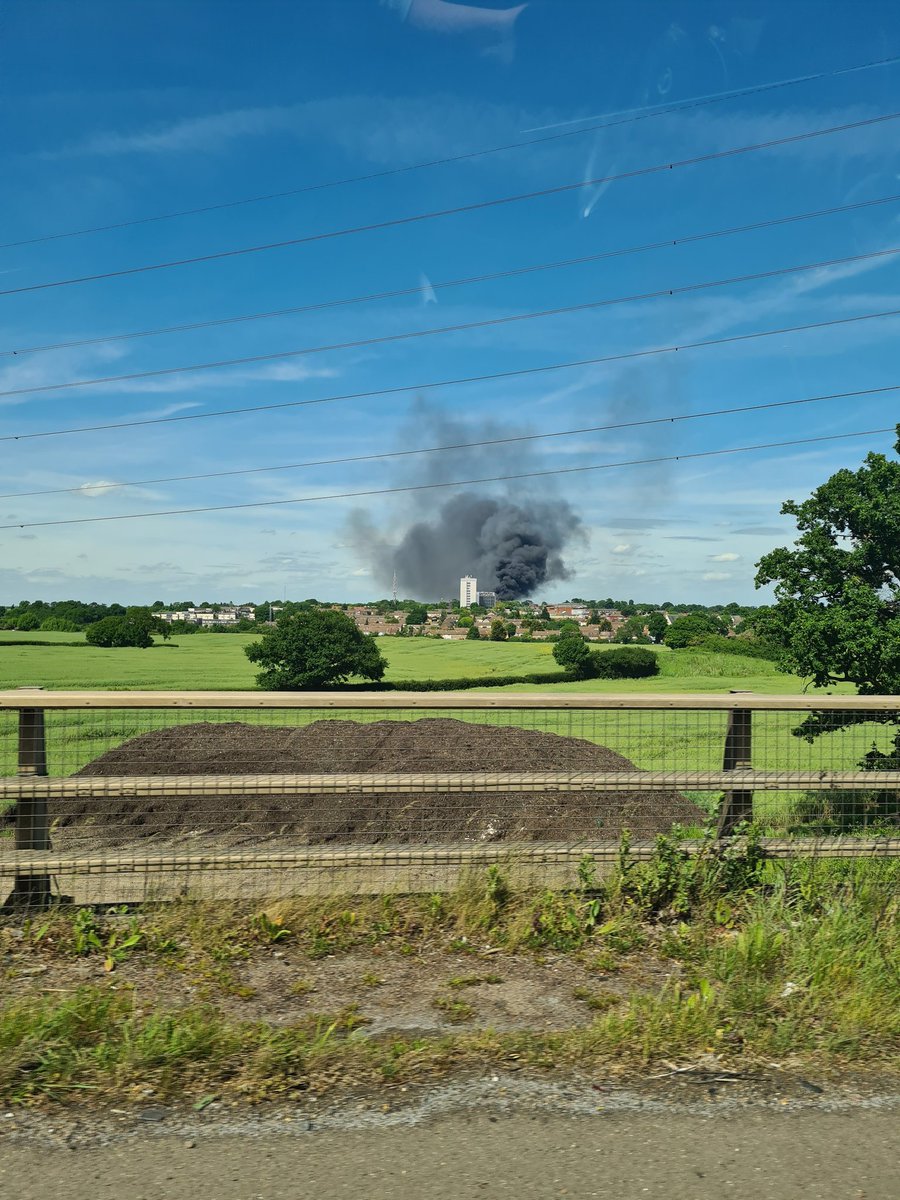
pixel 416 614
pixel 837 610
pixel 573 655
pixel 499 632
pixel 313 649
pixel 631 662
pixel 658 626
pixel 677 883
pixel 132 629
pixel 692 629
pixel 58 625
pixel 473 635
pixel 748 647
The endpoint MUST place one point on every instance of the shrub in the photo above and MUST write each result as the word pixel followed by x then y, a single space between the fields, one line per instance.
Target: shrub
pixel 631 662
pixel 473 635
pixel 572 653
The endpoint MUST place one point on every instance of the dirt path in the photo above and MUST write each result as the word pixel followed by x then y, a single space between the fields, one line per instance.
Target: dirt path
pixel 808 1153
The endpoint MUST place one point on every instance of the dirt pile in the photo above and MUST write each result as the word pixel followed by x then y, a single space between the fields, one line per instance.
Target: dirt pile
pixel 329 747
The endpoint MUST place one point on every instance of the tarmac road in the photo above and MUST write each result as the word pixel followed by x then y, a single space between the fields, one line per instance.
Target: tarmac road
pixel 758 1154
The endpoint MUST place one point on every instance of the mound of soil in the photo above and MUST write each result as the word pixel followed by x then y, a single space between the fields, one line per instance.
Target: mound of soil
pixel 329 747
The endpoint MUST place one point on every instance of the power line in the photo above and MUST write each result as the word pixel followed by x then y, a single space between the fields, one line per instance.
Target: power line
pixel 440 330
pixel 557 189
pixel 510 273
pixel 624 119
pixel 517 373
pixel 501 441
pixel 424 487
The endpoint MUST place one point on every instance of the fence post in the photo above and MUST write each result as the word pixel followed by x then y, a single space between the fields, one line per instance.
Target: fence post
pixel 32 818
pixel 737 806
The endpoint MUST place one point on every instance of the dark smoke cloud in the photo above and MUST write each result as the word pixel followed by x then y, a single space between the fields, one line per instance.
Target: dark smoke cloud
pixel 512 544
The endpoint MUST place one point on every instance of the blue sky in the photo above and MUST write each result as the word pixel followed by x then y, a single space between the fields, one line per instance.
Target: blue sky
pixel 119 111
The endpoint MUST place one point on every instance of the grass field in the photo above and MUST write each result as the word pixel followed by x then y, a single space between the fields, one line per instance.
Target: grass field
pixel 211 662
pixel 652 740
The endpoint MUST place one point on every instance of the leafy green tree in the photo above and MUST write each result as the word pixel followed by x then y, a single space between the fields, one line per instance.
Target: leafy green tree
pixel 573 654
pixel 417 614
pixel 314 649
pixel 837 592
pixel 545 613
pixel 658 626
pixel 134 629
pixel 510 629
pixel 498 630
pixel 58 625
pixel 690 630
pixel 473 635
pixel 836 615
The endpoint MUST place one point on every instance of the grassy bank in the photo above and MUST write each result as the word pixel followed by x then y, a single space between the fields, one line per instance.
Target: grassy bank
pixel 747 960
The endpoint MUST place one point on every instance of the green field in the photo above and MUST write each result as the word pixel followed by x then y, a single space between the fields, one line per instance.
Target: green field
pixel 212 662
pixel 653 740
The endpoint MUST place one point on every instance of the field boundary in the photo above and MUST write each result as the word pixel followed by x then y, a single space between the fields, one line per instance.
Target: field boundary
pixel 28 697
pixel 362 844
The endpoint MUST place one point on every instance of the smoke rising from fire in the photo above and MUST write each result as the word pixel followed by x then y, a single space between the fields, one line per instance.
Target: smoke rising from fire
pixel 513 543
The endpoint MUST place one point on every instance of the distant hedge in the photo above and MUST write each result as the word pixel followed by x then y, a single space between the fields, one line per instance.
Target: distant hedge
pixel 631 662
pixel 454 685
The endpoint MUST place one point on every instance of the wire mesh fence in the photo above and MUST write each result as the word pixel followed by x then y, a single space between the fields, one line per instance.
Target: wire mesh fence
pixel 125 796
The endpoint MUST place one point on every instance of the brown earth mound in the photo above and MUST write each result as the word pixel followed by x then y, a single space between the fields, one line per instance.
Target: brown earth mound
pixel 328 747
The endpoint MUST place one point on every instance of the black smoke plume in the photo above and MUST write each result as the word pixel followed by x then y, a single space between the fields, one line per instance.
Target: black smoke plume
pixel 513 545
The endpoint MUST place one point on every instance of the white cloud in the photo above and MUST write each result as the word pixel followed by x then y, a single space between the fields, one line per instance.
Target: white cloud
pixel 727 557
pixel 714 576
pixel 97 487
pixel 623 548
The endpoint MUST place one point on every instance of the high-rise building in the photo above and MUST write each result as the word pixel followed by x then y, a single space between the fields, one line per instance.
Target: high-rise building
pixel 468 591
pixel 487 599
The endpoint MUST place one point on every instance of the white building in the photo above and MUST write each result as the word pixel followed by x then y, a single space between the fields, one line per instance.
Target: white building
pixel 468 591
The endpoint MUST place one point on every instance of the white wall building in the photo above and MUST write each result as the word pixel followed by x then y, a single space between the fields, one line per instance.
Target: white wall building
pixel 468 591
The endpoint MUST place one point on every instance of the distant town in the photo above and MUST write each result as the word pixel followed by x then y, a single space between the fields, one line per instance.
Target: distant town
pixel 476 614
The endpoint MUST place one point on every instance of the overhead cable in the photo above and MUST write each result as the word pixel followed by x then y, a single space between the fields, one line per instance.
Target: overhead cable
pixel 425 487
pixel 516 373
pixel 88 488
pixel 510 273
pixel 476 206
pixel 440 330
pixel 620 119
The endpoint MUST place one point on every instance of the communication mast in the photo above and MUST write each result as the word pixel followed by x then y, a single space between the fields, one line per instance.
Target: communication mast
pixel 394 588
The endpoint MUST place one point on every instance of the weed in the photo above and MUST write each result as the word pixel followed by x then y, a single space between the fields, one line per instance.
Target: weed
pixel 271 929
pixel 597 1001
pixel 467 981
pixel 454 1009
pixel 301 987
pixel 371 980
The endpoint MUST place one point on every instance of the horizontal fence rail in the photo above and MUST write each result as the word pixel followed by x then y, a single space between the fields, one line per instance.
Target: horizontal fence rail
pixel 487 782
pixel 117 796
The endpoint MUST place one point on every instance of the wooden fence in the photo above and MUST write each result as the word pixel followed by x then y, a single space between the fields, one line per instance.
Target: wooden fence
pixel 31 862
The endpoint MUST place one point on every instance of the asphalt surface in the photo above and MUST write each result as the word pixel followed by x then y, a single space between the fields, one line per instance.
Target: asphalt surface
pixel 761 1154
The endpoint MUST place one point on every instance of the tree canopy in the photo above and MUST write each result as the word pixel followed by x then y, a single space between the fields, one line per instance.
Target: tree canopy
pixel 837 591
pixel 573 654
pixel 135 628
pixel 311 649
pixel 690 630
